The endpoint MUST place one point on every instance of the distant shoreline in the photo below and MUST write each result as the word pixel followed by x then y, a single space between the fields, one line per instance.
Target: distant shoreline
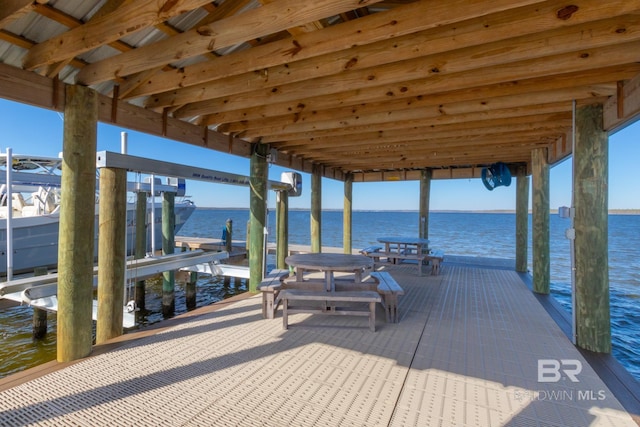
pixel 497 211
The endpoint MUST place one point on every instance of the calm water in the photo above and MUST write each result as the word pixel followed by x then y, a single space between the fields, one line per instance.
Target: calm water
pixel 470 234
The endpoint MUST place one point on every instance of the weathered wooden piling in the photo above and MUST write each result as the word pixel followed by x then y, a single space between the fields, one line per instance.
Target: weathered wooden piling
pixel 316 209
pixel 591 158
pixel 228 227
pixel 282 228
pixel 258 214
pixel 39 315
pixel 111 253
pixel 540 211
pixel 522 218
pixel 77 226
pixel 168 246
pixel 190 290
pixel 141 244
pixel 425 191
pixel 347 215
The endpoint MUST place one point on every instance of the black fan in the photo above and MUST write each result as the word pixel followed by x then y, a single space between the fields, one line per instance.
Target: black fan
pixel 496 175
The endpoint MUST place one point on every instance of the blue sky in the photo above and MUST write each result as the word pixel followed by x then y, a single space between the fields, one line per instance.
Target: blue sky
pixel 36 131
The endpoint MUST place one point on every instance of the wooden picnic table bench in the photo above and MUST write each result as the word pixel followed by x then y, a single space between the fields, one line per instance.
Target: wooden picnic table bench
pixel 270 288
pixel 389 289
pixel 400 248
pixel 435 258
pixel 331 301
pixel 370 251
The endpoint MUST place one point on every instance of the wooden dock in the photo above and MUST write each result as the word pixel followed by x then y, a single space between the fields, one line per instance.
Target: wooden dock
pixel 465 352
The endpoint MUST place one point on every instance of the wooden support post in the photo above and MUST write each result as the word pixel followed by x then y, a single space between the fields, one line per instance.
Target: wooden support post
pixel 39 315
pixel 522 219
pixel 168 246
pixel 111 253
pixel 316 209
pixel 258 214
pixel 228 227
pixel 77 228
pixel 425 190
pixel 591 158
pixel 347 215
pixel 190 290
pixel 282 228
pixel 540 211
pixel 141 245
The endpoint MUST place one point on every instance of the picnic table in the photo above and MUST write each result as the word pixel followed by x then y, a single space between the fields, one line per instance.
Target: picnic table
pixel 329 264
pixel 400 247
pixel 331 299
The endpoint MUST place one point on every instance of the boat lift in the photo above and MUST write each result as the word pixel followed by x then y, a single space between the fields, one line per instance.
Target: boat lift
pixel 41 291
pixel 292 184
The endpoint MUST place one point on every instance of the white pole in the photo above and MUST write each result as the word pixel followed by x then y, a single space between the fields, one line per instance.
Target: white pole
pixel 153 215
pixel 9 217
pixel 571 234
pixel 123 150
pixel 123 142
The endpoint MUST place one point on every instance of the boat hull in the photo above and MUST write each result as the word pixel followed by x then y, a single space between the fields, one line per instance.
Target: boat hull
pixel 35 239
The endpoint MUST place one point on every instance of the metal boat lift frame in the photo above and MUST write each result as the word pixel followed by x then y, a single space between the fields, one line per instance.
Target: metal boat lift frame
pixel 41 291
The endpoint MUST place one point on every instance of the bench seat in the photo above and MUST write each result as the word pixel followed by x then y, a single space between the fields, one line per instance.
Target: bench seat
pixel 371 251
pixel 394 256
pixel 390 290
pixel 436 258
pixel 371 297
pixel 270 288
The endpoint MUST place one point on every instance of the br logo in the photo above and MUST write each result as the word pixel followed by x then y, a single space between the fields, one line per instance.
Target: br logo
pixel 552 370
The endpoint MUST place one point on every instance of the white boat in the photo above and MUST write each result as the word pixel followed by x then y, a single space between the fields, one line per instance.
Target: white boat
pixel 35 199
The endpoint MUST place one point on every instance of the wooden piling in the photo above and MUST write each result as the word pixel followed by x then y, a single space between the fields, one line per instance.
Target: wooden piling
pixel 591 158
pixel 190 290
pixel 522 219
pixel 168 246
pixel 77 225
pixel 316 209
pixel 39 315
pixel 111 253
pixel 347 215
pixel 282 228
pixel 229 234
pixel 141 245
pixel 425 191
pixel 258 214
pixel 540 213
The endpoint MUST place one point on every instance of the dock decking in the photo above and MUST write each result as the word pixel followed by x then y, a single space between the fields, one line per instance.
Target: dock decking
pixel 465 353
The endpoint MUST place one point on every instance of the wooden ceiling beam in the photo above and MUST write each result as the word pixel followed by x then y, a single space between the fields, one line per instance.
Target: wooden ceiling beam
pixel 130 17
pixel 477 158
pixel 379 64
pixel 339 43
pixel 249 25
pixel 134 81
pixel 623 108
pixel 342 118
pixel 429 145
pixel 495 115
pixel 12 10
pixel 429 140
pixel 372 101
pixel 342 90
pixel 539 122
